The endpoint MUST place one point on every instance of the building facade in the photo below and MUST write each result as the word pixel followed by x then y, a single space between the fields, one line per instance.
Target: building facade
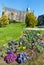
pixel 15 14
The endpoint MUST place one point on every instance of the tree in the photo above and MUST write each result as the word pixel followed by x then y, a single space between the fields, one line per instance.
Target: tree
pixel 30 20
pixel 4 20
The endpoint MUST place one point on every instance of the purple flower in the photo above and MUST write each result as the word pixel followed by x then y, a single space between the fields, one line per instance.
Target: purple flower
pixel 11 57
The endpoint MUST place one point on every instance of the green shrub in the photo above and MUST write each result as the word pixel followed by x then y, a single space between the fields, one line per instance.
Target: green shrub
pixel 12 21
pixel 4 20
pixel 30 20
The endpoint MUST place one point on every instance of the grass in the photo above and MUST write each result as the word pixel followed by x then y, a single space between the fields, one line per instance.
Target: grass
pixel 11 32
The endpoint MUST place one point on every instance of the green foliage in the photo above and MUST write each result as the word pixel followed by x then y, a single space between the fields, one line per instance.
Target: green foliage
pixel 12 21
pixel 38 48
pixel 4 20
pixel 30 20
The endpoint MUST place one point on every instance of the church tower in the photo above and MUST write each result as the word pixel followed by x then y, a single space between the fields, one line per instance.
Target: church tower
pixel 28 10
pixel 3 9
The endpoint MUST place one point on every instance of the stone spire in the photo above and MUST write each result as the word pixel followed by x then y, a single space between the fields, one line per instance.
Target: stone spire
pixel 28 9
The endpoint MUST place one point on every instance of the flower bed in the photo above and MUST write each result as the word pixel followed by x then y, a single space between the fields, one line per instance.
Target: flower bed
pixel 27 47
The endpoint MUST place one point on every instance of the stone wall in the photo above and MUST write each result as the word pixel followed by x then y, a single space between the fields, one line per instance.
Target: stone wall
pixel 14 14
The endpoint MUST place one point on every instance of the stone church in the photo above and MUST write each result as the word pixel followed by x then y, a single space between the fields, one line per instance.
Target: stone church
pixel 14 14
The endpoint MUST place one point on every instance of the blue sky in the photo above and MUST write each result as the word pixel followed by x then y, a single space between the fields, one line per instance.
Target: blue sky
pixel 36 5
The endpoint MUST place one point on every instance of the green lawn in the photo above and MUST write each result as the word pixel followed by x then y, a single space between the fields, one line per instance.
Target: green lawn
pixel 11 32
